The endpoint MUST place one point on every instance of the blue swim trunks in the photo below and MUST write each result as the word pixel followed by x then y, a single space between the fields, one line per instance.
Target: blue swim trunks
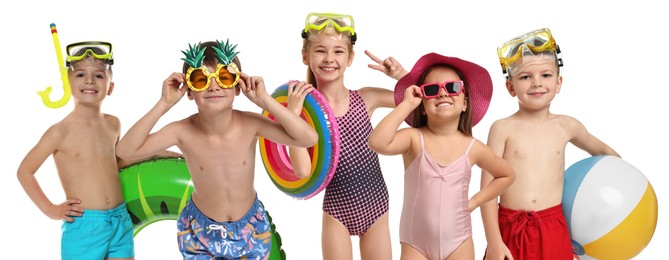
pixel 202 238
pixel 98 234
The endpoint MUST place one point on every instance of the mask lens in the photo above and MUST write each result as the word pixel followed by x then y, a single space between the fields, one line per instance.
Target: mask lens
pixel 81 49
pixel 340 22
pixel 431 90
pixel 537 40
pixel 198 80
pixel 317 21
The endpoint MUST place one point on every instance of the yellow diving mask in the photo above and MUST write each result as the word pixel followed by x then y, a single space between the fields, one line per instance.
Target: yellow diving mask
pixel 226 74
pixel 538 44
pixel 99 50
pixel 340 22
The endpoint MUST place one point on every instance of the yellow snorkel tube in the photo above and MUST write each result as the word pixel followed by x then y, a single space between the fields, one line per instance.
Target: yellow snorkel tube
pixel 67 91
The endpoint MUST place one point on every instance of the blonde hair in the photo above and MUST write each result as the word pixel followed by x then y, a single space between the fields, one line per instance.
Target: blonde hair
pixel 315 35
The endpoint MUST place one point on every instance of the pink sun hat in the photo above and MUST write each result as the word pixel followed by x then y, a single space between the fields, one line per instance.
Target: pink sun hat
pixel 477 82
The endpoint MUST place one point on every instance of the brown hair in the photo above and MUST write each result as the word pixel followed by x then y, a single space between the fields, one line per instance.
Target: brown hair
pixel 465 123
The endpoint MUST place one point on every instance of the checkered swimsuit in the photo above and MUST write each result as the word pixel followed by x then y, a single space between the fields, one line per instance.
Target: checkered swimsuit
pixel 357 194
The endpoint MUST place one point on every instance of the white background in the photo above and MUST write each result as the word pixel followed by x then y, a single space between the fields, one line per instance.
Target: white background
pixel 614 82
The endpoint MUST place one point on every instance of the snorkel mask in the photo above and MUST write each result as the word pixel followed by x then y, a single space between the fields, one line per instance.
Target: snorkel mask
pixel 198 77
pixel 537 46
pixel 340 22
pixel 99 50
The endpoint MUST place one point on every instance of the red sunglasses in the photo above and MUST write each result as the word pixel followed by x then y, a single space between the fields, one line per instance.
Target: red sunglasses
pixel 453 88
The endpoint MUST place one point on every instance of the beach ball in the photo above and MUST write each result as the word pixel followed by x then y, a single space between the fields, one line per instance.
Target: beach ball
pixel 610 208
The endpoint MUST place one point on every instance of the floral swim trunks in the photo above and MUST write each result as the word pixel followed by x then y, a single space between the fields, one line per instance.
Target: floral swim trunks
pixel 200 237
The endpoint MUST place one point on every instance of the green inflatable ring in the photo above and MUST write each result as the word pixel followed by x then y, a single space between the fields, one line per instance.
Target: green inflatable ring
pixel 158 189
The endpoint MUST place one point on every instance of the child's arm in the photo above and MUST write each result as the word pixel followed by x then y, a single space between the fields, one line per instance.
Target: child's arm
pixel 299 157
pixel 137 143
pixel 489 210
pixel 385 139
pixel 376 97
pixel 291 130
pixel 499 169
pixel 122 163
pixel 582 139
pixel 46 146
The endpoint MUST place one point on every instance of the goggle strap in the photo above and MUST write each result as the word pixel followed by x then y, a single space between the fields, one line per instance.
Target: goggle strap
pixel 110 61
pixel 305 35
pixel 558 55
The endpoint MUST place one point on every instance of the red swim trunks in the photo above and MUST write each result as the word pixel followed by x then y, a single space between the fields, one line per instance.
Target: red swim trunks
pixel 536 235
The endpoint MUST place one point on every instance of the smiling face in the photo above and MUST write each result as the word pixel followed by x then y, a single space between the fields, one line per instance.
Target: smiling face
pixel 214 97
pixel 90 80
pixel 443 107
pixel 328 56
pixel 535 85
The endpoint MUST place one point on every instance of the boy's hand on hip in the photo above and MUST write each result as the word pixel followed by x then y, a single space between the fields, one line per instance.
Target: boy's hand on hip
pixel 65 211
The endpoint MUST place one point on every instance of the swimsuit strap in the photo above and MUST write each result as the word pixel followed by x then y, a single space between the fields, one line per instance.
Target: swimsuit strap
pixel 422 143
pixel 471 144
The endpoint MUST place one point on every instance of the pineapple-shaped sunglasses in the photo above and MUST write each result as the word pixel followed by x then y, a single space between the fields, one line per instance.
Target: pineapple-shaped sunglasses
pixel 198 76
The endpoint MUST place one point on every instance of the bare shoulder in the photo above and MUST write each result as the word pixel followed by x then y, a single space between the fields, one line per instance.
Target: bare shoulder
pixel 57 131
pixel 250 117
pixel 569 123
pixel 181 125
pixel 111 118
pixel 253 123
pixel 504 124
pixel 479 148
pixel 113 121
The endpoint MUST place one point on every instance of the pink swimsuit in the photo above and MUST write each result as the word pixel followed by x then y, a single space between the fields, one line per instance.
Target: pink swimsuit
pixel 435 219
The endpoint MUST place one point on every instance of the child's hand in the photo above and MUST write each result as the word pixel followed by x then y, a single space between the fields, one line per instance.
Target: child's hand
pixel 253 88
pixel 498 251
pixel 65 210
pixel 297 92
pixel 413 96
pixel 389 66
pixel 174 88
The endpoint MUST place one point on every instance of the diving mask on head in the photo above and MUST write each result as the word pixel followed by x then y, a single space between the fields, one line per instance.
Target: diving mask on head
pixel 340 22
pixel 534 47
pixel 79 50
pixel 198 77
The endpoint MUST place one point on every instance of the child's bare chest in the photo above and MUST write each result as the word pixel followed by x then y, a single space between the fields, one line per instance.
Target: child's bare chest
pixel 546 141
pixel 92 140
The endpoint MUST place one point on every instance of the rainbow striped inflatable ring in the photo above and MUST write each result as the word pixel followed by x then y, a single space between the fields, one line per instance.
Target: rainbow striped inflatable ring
pixel 324 155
